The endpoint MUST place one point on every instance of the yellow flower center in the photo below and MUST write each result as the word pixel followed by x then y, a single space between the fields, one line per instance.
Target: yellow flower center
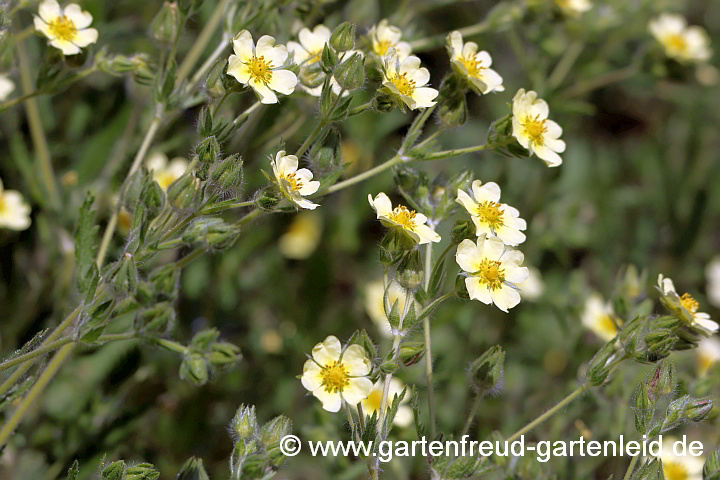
pixel 675 471
pixel 3 204
pixel 689 303
pixel 164 179
pixel 335 377
pixel 491 273
pixel 295 183
pixel 374 400
pixel 260 69
pixel 491 214
pixel 402 216
pixel 535 129
pixel 314 57
pixel 677 43
pixel 381 48
pixel 605 324
pixel 472 66
pixel 405 87
pixel 63 28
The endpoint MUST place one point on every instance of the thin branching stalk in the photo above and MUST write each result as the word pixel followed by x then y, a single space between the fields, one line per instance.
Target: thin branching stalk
pixel 631 467
pixel 428 345
pixel 424 44
pixel 201 42
pixel 471 415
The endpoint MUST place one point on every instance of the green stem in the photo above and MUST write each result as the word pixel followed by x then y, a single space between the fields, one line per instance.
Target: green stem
pixel 565 64
pixel 471 415
pixel 360 109
pixel 42 350
pixel 311 138
pixel 201 42
pixel 564 402
pixel 631 467
pixel 431 42
pixel 365 175
pixel 428 346
pixel 600 81
pixel 456 152
pixel 14 101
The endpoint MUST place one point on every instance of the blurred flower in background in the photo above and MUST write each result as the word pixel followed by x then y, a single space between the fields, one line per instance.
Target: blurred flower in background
pixel 598 317
pixel 385 36
pixel 680 467
pixel 66 28
pixel 574 8
pixel 6 86
pixel 681 43
pixel 166 172
pixel 374 296
pixel 302 237
pixel 533 287
pixel 712 273
pixel 14 210
pixel 373 402
pixel 707 353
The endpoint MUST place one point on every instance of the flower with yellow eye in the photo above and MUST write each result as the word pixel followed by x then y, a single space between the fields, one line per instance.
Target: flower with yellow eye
pixel 406 79
pixel 598 317
pixel 681 43
pixel 679 467
pixel 165 172
pixel 492 271
pixel 534 130
pixel 385 37
pixel 474 65
pixel 334 375
pixel 14 211
pixel 303 236
pixel 490 216
pixel 260 66
pixel 707 354
pixel 685 306
pixel 294 184
pixel 66 28
pixel 574 8
pixel 6 86
pixel 401 218
pixel 373 402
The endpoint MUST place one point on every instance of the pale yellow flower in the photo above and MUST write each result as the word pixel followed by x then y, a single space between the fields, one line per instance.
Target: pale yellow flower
pixel 574 8
pixel 373 402
pixel 261 66
pixel 374 298
pixel 712 273
pixel 492 271
pixel 707 353
pixel 66 28
pixel 688 305
pixel 490 216
pixel 14 210
pixel 682 43
pixel 406 79
pixel 6 86
pixel 676 467
pixel 294 184
pixel 165 171
pixel 303 236
pixel 408 221
pixel 533 287
pixel 334 374
pixel 598 317
pixel 385 37
pixel 312 42
pixel 474 65
pixel 534 130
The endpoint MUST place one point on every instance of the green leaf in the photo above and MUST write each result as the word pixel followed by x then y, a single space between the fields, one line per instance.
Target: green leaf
pixel 85 232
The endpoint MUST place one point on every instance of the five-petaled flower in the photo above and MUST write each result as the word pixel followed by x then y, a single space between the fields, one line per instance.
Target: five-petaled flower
pixel 685 306
pixel 334 374
pixel 294 184
pixel 681 43
pixel 406 79
pixel 385 37
pixel 261 66
pixel 165 172
pixel 373 402
pixel 598 317
pixel 533 130
pixel 708 353
pixel 474 65
pixel 14 211
pixel 66 28
pixel 490 216
pixel 409 222
pixel 492 271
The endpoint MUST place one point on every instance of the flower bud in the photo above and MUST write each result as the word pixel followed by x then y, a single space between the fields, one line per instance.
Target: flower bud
pixel 643 407
pixel 663 379
pixel 411 352
pixel 486 372
pixel 684 409
pixel 228 174
pixel 651 470
pixel 142 471
pixel 185 192
pixel 463 230
pixel 396 243
pixel 267 200
pixel 389 367
pixel 711 469
pixel 212 231
pixel 460 288
pixel 215 84
pixel 273 431
pixel 194 368
pixel 224 353
pixel 383 103
pixel 350 74
pixel 193 469
pixel 165 281
pixel 699 409
pixel 410 272
pixel 126 277
pixel 208 150
pixel 343 37
pixel 244 423
pixel 153 198
pixel 155 319
pixel 599 367
pixel 275 457
pixel 166 25
pixel 114 471
pixel 329 58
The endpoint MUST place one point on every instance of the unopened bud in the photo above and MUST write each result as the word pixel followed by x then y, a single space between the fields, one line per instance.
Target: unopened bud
pixel 329 58
pixel 165 27
pixel 343 37
pixel 273 431
pixel 185 192
pixel 389 367
pixel 228 174
pixel 215 84
pixel 244 423
pixel 463 230
pixel 193 469
pixel 267 200
pixel 411 352
pixel 711 469
pixel 663 379
pixel 114 471
pixel 194 368
pixel 410 273
pixel 224 353
pixel 643 407
pixel 153 197
pixel 126 277
pixel 142 471
pixel 383 103
pixel 213 232
pixel 486 372
pixel 350 74
pixel 599 366
pixel 165 281
pixel 460 288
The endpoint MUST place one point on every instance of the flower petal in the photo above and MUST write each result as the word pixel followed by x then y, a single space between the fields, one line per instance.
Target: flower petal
pixel 330 401
pixel 328 351
pixel 283 81
pixel 357 390
pixel 81 19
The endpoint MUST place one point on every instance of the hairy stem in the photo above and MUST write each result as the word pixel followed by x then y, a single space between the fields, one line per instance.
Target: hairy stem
pixel 201 42
pixel 471 415
pixel 631 467
pixel 428 346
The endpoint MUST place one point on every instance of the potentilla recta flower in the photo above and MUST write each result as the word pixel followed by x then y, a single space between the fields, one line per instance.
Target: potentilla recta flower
pixel 492 271
pixel 679 467
pixel 490 216
pixel 707 354
pixel 598 317
pixel 165 171
pixel 681 43
pixel 406 79
pixel 334 374
pixel 66 28
pixel 294 184
pixel 261 66
pixel 385 36
pixel 534 130
pixel 373 402
pixel 409 222
pixel 685 306
pixel 474 65
pixel 7 86
pixel 375 307
pixel 574 8
pixel 14 211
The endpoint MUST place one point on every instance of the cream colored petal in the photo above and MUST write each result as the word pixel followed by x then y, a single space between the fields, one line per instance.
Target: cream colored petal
pixel 424 97
pixel 505 298
pixel 267 96
pixel 312 376
pixel 357 390
pixel 7 86
pixel 177 167
pixel 707 324
pixel 327 352
pixel 551 158
pixel 510 236
pixel 238 69
pixel 456 44
pixel 477 290
pixel 330 401
pixel 421 77
pixel 283 81
pixel 81 19
pixel 356 361
pixel 49 10
pixel 83 38
pixel 426 234
pixel 466 201
pixel 298 52
pixel 404 417
pixel 516 275
pixel 42 27
pixel 492 248
pixel 243 46
pixel 409 65
pixel 492 80
pixel 468 255
pixel 490 192
pixel 67 48
pixel 304 203
pixel 309 188
pixel 286 164
pixel 381 204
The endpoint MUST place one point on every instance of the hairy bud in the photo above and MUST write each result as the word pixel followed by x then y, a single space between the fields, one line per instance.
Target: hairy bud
pixel 343 37
pixel 487 371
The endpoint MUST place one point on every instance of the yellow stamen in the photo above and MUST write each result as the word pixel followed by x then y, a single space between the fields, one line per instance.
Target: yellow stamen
pixel 677 43
pixel 536 129
pixel 381 48
pixel 491 214
pixel 295 182
pixel 491 274
pixel 675 471
pixel 605 324
pixel 63 28
pixel 402 216
pixel 260 69
pixel 374 400
pixel 689 303
pixel 335 377
pixel 403 84
pixel 164 179
pixel 472 66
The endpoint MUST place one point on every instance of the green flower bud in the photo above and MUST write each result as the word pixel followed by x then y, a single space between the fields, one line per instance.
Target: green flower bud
pixel 153 197
pixel 208 150
pixel 350 74
pixel 663 379
pixel 114 471
pixel 155 319
pixel 599 367
pixel 244 423
pixel 651 470
pixel 396 243
pixel 383 103
pixel 329 58
pixel 166 25
pixel 460 288
pixel 254 466
pixel 699 409
pixel 463 230
pixel 273 431
pixel 212 231
pixel 711 469
pixel 487 371
pixel 135 189
pixel 389 367
pixel 142 471
pixel 343 37
pixel 410 272
pixel 204 339
pixel 452 105
pixel 267 200
pixel 193 469
pixel 684 409
pixel 224 353
pixel 411 352
pixel 643 407
pixel 165 281
pixel 194 368
pixel 275 457
pixel 215 83
pixel 126 277
pixel 185 192
pixel 228 174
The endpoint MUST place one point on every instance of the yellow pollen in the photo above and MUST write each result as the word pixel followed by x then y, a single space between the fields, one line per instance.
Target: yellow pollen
pixel 295 183
pixel 260 69
pixel 472 66
pixel 491 214
pixel 535 129
pixel 335 377
pixel 164 179
pixel 605 323
pixel 491 274
pixel 675 471
pixel 3 204
pixel 677 43
pixel 63 28
pixel 402 216
pixel 405 87
pixel 689 303
pixel 374 400
pixel 381 48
